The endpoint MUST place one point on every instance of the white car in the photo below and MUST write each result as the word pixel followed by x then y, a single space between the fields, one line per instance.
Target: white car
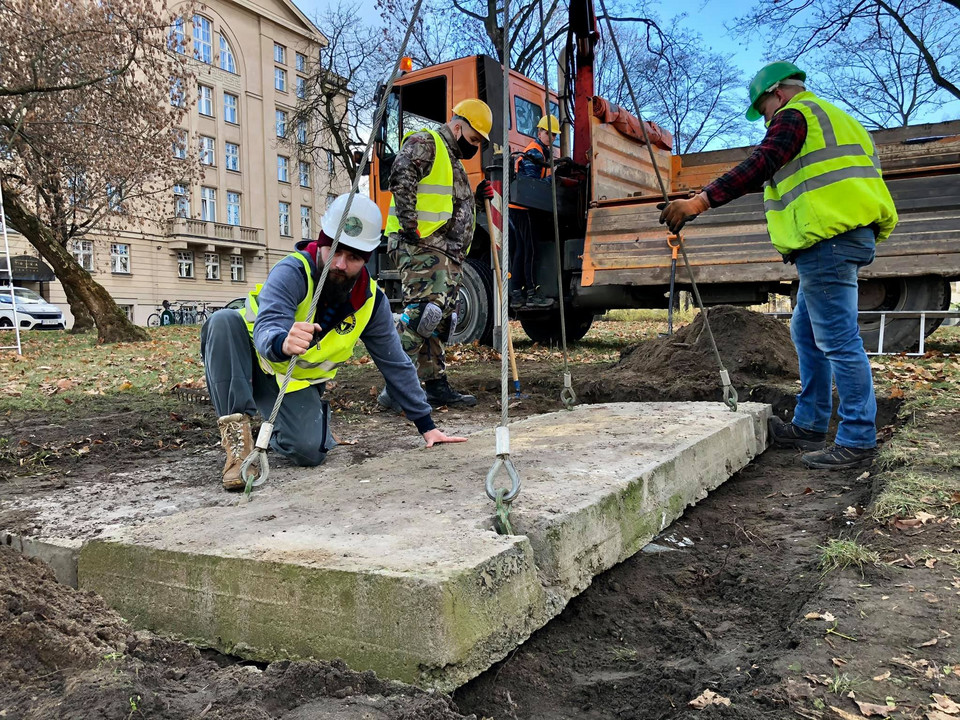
pixel 33 312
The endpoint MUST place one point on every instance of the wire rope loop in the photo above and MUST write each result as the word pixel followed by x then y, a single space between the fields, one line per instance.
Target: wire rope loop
pixel 506 463
pixel 730 397
pixel 503 524
pixel 567 396
pixel 255 478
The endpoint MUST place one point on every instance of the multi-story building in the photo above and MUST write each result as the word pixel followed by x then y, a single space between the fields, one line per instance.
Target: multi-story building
pixel 256 199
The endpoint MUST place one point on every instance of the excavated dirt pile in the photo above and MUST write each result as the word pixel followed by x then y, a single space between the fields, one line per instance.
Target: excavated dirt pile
pixel 755 349
pixel 64 654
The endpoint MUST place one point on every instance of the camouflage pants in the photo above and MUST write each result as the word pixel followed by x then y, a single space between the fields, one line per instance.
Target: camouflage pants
pixel 426 275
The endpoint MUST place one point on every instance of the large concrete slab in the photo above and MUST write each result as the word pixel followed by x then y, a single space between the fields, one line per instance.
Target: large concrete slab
pixel 393 564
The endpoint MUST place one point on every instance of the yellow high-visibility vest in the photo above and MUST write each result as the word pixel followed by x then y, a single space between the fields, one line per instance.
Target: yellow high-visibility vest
pixel 320 362
pixel 833 185
pixel 434 194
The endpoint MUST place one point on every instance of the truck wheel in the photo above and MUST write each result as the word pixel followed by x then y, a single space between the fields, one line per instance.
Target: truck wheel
pixel 475 304
pixel 544 327
pixel 928 292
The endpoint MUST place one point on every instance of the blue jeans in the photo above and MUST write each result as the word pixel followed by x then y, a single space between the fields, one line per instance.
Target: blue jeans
pixel 825 332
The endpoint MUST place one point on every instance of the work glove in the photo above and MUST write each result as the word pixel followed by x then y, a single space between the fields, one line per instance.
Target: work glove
pixel 677 213
pixel 411 237
pixel 484 192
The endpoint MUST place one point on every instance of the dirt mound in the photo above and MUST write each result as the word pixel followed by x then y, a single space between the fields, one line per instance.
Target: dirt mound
pixel 65 654
pixel 755 349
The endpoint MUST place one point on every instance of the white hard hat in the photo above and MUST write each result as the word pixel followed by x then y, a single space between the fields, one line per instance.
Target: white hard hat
pixel 361 231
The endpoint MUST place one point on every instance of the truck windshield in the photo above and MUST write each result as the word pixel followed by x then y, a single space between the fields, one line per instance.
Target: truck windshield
pixel 414 107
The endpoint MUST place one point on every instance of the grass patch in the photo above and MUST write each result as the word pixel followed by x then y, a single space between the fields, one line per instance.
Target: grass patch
pixel 840 554
pixel 907 493
pixel 914 445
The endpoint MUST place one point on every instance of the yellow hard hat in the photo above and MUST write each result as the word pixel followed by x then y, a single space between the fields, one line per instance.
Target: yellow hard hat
pixel 477 113
pixel 554 124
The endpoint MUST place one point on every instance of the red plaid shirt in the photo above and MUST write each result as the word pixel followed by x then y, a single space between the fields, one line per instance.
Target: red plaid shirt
pixel 780 145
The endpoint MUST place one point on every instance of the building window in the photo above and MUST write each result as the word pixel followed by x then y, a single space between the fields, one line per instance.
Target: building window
pixel 185 264
pixel 114 198
pixel 301 87
pixel 304 222
pixel 202 39
pixel 120 258
pixel 181 201
pixel 230 108
pixel 331 165
pixel 207 151
pixel 283 174
pixel 279 54
pixel 180 144
pixel 178 98
pixel 280 79
pixel 301 62
pixel 302 132
pixel 285 219
pixel 127 310
pixel 237 268
pixel 83 253
pixel 177 40
pixel 227 61
pixel 281 118
pixel 233 208
pixel 231 156
pixel 212 263
pixel 205 100
pixel 208 204
pixel 304 174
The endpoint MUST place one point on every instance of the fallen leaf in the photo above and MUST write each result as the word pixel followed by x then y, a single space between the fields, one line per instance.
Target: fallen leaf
pixel 943 703
pixel 709 697
pixel 827 617
pixel 930 562
pixel 928 643
pixel 125 385
pixel 839 662
pixel 850 512
pixel 881 677
pixel 925 517
pixel 939 715
pixel 870 709
pixel 843 714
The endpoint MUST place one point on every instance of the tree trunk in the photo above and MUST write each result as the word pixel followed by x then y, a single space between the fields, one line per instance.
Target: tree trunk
pixel 112 323
pixel 82 319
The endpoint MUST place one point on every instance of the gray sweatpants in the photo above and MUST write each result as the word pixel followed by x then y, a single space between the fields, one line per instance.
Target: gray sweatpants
pixel 237 384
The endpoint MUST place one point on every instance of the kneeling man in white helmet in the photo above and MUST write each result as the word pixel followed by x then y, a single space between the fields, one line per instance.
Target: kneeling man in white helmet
pixel 246 352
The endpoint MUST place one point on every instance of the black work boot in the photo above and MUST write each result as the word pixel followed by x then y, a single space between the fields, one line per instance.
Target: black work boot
pixel 386 401
pixel 536 299
pixel 838 457
pixel 517 299
pixel 788 435
pixel 439 393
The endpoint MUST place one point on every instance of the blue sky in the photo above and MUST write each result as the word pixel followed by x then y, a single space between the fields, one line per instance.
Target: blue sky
pixel 707 17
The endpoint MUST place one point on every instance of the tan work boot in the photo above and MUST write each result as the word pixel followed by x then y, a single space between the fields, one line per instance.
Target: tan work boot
pixel 236 439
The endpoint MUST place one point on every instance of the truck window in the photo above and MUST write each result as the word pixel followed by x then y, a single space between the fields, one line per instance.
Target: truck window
pixel 424 105
pixel 528 115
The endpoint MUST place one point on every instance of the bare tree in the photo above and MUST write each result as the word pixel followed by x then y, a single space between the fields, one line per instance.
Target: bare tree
pixel 880 76
pixel 336 106
pixel 87 132
pixel 801 26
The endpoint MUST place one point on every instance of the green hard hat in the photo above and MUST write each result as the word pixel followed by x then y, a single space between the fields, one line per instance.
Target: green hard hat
pixel 769 76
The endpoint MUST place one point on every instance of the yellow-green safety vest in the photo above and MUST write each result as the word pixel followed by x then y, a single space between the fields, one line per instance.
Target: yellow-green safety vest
pixel 434 194
pixel 833 185
pixel 320 362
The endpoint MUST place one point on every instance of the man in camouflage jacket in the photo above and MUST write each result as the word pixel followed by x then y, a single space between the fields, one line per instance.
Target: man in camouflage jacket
pixel 431 267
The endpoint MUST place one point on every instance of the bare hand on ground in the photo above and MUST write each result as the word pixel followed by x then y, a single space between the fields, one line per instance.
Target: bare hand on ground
pixel 299 338
pixel 437 436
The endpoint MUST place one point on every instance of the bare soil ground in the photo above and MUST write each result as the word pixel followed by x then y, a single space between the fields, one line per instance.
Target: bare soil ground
pixel 728 604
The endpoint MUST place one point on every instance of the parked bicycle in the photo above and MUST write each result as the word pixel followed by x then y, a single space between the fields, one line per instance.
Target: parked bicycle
pixel 180 312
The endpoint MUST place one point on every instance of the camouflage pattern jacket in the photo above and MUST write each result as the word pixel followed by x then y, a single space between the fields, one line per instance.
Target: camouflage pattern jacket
pixel 413 163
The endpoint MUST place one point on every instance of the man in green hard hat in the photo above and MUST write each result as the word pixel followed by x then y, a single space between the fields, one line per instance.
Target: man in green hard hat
pixel 826 207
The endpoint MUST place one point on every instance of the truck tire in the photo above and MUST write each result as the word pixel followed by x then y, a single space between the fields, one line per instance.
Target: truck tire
pixel 927 292
pixel 544 326
pixel 475 304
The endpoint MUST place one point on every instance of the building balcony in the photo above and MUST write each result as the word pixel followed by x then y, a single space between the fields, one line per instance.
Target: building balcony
pixel 187 233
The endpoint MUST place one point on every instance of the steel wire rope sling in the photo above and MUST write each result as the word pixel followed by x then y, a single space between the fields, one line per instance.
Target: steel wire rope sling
pixel 729 392
pixel 503 497
pixel 567 396
pixel 259 455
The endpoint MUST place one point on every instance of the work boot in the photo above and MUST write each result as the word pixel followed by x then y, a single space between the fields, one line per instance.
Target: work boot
pixel 439 393
pixel 517 299
pixel 236 439
pixel 536 299
pixel 788 435
pixel 838 457
pixel 386 401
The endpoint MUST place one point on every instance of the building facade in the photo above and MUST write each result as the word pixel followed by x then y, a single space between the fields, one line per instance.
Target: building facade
pixel 256 199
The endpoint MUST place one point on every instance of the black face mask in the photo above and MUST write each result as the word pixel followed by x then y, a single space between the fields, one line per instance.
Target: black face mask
pixel 467 148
